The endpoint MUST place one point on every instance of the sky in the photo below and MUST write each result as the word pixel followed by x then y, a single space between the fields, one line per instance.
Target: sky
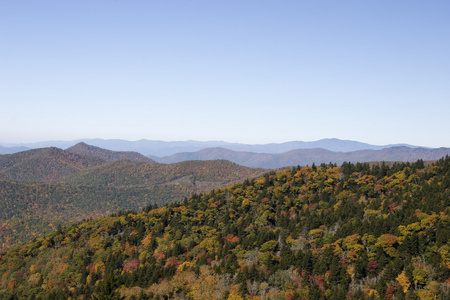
pixel 246 71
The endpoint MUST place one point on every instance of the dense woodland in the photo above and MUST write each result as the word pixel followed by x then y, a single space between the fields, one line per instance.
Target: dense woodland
pixel 354 231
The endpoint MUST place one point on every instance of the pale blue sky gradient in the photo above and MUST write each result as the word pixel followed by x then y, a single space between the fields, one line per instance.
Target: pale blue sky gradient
pixel 249 71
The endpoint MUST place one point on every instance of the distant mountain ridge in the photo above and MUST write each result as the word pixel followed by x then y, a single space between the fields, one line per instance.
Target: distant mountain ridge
pixel 11 150
pixel 162 148
pixel 268 156
pixel 305 157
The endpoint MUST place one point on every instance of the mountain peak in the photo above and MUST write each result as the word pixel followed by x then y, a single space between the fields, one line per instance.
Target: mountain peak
pixel 82 146
pixel 79 145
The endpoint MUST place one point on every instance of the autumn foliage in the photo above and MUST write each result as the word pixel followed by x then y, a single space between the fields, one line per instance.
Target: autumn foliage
pixel 355 231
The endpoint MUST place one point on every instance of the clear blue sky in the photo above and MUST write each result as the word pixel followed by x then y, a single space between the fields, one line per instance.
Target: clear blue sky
pixel 249 71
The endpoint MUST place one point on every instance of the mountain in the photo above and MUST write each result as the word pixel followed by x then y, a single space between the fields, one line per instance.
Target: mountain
pixel 84 165
pixel 45 144
pixel 11 150
pixel 107 155
pixel 308 156
pixel 43 165
pixel 273 160
pixel 214 153
pixel 42 188
pixel 162 148
pixel 333 144
pixel 354 231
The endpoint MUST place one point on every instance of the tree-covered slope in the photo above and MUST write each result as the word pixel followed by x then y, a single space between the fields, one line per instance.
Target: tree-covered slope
pixel 132 174
pixel 44 165
pixel 328 232
pixel 107 155
pixel 30 210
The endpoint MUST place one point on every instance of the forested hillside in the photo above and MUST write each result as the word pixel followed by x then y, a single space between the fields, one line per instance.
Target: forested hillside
pixel 43 188
pixel 30 210
pixel 48 165
pixel 125 173
pixel 107 155
pixel 322 232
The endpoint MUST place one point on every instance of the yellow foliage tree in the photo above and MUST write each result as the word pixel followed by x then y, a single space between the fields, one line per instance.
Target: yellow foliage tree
pixel 425 295
pixel 404 281
pixel 234 296
pixel 371 292
pixel 206 286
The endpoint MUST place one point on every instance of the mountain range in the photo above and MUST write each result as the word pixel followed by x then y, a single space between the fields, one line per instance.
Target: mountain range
pixel 163 148
pixel 268 156
pixel 305 157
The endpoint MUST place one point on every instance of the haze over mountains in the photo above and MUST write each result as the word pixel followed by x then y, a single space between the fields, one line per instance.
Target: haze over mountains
pixel 162 148
pixel 305 157
pixel 255 156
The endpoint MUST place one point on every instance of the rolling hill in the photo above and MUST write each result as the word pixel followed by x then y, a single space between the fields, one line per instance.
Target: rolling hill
pixel 107 155
pixel 44 165
pixel 125 173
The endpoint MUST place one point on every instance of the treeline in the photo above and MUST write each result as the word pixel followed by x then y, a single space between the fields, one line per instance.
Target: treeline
pixel 355 231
